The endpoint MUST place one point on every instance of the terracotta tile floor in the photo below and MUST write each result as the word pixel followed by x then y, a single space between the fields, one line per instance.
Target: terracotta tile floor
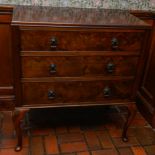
pixel 90 131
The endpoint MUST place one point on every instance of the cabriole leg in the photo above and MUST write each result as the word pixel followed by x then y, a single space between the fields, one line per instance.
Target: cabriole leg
pixel 17 117
pixel 132 110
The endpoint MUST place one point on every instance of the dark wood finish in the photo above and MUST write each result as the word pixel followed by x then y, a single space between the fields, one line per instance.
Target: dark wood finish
pixel 147 90
pixel 59 66
pixel 81 40
pixel 7 103
pixel 76 57
pixel 77 17
pixel 146 93
pixel 132 110
pixel 144 15
pixel 6 71
pixel 69 92
pixel 5 58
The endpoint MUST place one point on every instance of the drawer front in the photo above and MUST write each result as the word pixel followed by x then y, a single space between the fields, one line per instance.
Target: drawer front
pixel 43 40
pixel 59 66
pixel 71 92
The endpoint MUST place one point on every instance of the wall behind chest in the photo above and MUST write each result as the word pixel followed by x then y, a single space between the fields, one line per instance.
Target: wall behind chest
pixel 112 4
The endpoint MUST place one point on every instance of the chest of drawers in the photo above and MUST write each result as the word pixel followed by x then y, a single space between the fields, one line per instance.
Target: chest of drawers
pixel 66 57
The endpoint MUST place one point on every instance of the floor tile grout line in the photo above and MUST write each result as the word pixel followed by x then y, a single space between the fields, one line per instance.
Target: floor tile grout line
pixel 123 117
pixel 43 143
pixel 59 148
pixel 112 141
pixel 111 137
pixel 30 147
pixel 52 128
pixel 139 145
pixel 120 137
pixel 138 142
pixel 100 142
pixel 146 152
pixel 88 148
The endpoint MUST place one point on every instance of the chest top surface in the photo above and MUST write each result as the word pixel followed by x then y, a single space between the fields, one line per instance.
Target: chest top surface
pixel 41 15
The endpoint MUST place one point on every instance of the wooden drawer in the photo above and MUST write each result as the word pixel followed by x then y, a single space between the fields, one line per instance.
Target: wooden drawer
pixel 59 66
pixel 72 92
pixel 47 40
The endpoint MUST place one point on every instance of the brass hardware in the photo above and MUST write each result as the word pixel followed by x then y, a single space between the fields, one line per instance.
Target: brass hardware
pixel 51 95
pixel 110 67
pixel 114 43
pixel 107 91
pixel 52 68
pixel 54 42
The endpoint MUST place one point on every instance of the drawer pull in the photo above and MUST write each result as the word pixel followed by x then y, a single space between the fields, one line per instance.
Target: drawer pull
pixel 51 95
pixel 107 91
pixel 110 67
pixel 52 68
pixel 54 42
pixel 114 43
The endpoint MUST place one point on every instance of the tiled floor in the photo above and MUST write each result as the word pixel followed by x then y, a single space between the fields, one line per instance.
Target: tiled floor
pixel 93 131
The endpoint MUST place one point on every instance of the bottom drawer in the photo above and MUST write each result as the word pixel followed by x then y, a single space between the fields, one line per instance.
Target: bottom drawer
pixel 73 92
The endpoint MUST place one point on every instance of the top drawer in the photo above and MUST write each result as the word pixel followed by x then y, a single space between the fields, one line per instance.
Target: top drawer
pixel 85 40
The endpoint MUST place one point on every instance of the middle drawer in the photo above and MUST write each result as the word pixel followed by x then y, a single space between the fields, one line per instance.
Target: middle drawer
pixel 72 66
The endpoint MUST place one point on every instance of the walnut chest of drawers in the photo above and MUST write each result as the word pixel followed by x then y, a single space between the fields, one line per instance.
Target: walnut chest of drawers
pixel 76 57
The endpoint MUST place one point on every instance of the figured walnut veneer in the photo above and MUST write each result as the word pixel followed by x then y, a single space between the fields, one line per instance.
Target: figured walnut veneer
pixel 76 57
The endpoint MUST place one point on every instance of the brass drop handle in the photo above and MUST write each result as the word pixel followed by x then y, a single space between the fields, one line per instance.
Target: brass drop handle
pixel 53 42
pixel 53 68
pixel 110 67
pixel 114 43
pixel 51 95
pixel 107 91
